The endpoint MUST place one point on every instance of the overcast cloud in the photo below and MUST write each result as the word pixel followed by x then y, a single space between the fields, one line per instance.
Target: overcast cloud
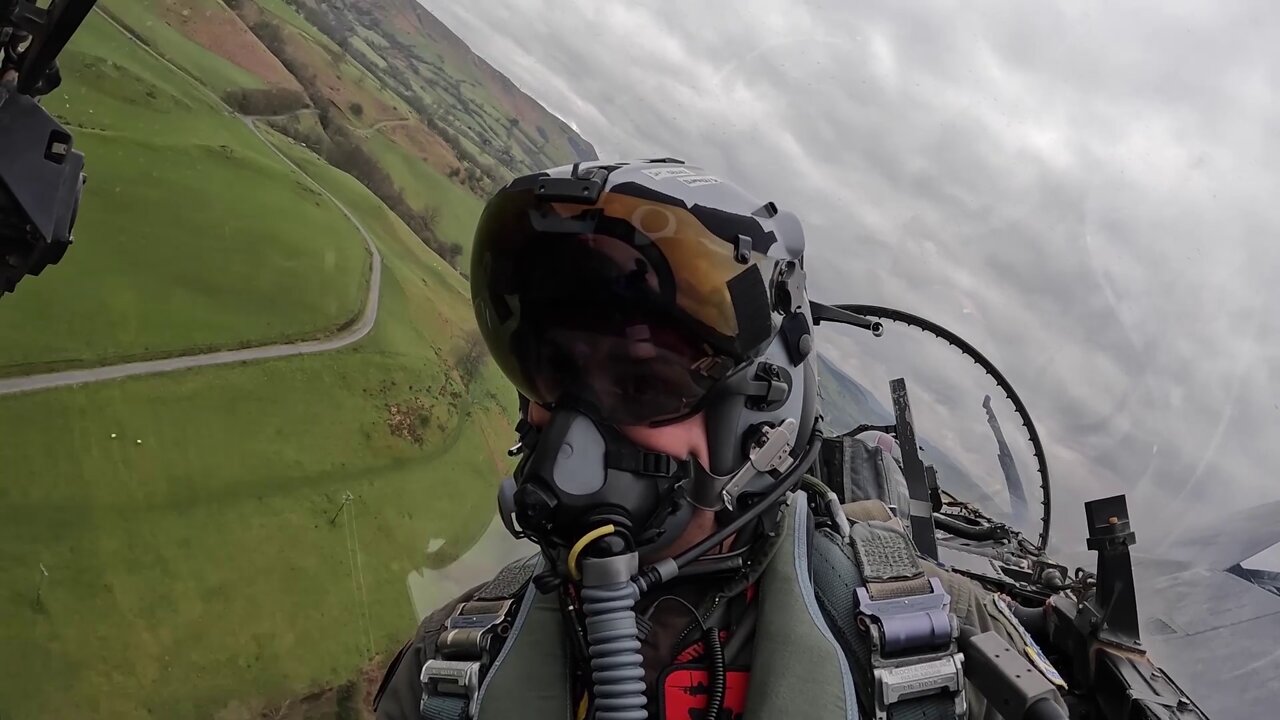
pixel 1087 192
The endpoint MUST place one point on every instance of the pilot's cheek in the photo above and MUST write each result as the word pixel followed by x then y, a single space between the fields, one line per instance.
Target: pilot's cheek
pixel 538 415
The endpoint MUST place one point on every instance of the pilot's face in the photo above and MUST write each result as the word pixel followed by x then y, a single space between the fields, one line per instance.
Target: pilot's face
pixel 684 439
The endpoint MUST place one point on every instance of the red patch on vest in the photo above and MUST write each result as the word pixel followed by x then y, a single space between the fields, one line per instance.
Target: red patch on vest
pixel 686 690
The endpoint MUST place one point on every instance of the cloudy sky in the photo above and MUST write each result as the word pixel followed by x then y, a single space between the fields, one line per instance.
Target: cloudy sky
pixel 1087 192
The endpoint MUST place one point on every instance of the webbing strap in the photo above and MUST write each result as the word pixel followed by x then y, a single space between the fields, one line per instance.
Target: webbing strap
pixel 931 707
pixel 867 511
pixel 888 562
pixel 443 707
pixel 837 574
pixel 509 580
pixel 468 643
pixel 635 460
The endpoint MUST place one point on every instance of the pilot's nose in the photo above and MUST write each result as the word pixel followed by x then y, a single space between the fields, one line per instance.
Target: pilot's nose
pixel 687 438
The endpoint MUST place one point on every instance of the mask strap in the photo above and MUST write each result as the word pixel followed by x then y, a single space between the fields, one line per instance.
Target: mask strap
pixel 628 457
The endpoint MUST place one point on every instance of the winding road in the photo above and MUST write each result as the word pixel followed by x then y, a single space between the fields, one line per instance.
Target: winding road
pixel 381 124
pixel 343 338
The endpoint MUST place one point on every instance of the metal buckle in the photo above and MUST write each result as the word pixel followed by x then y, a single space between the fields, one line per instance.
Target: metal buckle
pixel 915 679
pixel 468 631
pixel 917 622
pixel 464 647
pixel 452 677
pixel 920 624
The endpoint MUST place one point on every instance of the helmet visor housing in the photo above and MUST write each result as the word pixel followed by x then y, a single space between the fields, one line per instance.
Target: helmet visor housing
pixel 629 306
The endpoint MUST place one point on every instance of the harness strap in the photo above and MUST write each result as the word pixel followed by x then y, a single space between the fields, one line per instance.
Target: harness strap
pixel 468 644
pixel 510 580
pixel 888 562
pixel 636 460
pixel 868 510
pixel 443 707
pixel 893 621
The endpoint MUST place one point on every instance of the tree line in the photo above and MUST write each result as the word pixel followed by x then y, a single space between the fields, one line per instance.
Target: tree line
pixel 266 101
pixel 479 175
pixel 339 147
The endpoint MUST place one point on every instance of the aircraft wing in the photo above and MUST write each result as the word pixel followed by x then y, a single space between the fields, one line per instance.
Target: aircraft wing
pixel 1216 634
pixel 1222 542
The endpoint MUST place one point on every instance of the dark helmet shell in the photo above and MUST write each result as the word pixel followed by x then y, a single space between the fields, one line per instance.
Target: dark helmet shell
pixel 641 288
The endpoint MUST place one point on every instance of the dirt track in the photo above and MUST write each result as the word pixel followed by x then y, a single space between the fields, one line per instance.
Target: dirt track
pixel 342 338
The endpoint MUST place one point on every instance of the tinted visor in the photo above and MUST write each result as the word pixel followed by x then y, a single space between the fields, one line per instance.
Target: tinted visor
pixel 628 307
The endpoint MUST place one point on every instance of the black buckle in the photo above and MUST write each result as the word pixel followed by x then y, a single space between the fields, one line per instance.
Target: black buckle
pixel 470 630
pixel 900 626
pixel 652 463
pixel 459 678
pixel 464 648
pixel 646 463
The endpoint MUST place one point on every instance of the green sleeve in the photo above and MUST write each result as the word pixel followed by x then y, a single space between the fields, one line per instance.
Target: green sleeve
pixel 974 606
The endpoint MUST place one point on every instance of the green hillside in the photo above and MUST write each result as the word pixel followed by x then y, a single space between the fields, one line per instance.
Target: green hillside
pixel 440 125
pixel 147 18
pixel 187 520
pixel 424 186
pixel 191 233
pixel 162 601
pixel 489 123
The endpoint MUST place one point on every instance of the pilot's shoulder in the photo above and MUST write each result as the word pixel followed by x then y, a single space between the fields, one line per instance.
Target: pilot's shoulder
pixel 966 594
pixel 973 604
pixel 400 691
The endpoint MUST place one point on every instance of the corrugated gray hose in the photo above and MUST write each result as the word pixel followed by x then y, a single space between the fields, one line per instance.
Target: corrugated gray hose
pixel 613 639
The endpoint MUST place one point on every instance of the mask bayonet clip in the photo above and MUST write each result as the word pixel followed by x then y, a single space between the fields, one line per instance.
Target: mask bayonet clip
pixel 771 451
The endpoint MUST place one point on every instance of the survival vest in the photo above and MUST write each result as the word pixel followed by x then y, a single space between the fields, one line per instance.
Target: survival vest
pixel 848 623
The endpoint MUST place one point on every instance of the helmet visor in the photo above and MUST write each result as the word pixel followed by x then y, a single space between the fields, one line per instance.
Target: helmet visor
pixel 628 306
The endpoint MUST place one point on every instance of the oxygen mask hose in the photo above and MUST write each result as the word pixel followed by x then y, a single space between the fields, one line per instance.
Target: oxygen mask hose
pixel 613 637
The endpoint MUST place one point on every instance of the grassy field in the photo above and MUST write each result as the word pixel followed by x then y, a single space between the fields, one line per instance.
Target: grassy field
pixel 422 59
pixel 142 17
pixel 424 185
pixel 344 79
pixel 194 571
pixel 197 573
pixel 282 10
pixel 421 184
pixel 367 53
pixel 191 233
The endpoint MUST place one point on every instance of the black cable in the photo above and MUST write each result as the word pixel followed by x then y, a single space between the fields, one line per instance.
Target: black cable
pixel 715 668
pixel 731 554
pixel 714 654
pixel 710 566
pixel 745 540
pixel 965 531
pixel 789 481
pixel 692 611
